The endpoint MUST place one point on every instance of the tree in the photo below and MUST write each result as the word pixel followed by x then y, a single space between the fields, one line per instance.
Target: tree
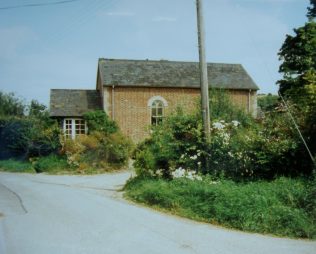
pixel 298 85
pixel 10 105
pixel 312 10
pixel 268 102
pixel 38 110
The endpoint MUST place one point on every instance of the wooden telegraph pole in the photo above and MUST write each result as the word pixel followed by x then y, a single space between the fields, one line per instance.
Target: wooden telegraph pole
pixel 203 72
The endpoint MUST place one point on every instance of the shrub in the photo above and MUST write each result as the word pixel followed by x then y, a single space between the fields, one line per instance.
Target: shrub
pixel 238 149
pixel 97 150
pixel 28 137
pixel 99 121
pixel 51 164
pixel 171 145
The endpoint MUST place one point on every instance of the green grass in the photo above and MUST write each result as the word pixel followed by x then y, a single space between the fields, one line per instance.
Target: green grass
pixel 16 166
pixel 53 164
pixel 284 207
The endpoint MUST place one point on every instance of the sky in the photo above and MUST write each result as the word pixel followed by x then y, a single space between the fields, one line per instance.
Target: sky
pixel 58 46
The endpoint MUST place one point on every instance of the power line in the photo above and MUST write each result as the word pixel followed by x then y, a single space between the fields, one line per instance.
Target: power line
pixel 37 5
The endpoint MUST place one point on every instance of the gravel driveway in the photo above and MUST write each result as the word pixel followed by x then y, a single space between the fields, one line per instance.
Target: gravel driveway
pixel 45 214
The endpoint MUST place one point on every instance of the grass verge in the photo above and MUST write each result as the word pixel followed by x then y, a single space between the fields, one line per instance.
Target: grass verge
pixel 16 166
pixel 53 164
pixel 284 207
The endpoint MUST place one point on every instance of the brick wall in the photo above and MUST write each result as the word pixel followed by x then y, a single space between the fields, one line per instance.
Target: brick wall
pixel 133 115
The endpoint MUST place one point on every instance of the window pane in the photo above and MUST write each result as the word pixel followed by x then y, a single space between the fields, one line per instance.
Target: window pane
pixel 157 109
pixel 80 127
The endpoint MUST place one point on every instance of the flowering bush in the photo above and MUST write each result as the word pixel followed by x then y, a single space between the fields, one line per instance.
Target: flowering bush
pixel 259 150
pixel 182 173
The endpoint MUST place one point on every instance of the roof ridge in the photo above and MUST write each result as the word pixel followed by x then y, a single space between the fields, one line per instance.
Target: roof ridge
pixel 162 61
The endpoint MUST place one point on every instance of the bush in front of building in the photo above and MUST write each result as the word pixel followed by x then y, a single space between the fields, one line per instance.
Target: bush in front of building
pixel 104 148
pixel 237 150
pixel 97 151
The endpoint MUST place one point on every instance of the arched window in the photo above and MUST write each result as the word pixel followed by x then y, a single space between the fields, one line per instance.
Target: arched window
pixel 157 112
pixel 157 105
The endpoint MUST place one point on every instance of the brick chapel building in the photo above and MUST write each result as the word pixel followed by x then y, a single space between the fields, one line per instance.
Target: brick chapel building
pixel 139 93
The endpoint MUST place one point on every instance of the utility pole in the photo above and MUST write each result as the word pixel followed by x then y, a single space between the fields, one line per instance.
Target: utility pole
pixel 203 72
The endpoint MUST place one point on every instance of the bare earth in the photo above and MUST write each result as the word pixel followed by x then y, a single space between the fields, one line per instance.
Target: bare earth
pixel 85 214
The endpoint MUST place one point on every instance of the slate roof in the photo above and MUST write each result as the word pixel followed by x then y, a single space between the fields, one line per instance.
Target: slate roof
pixel 73 103
pixel 148 73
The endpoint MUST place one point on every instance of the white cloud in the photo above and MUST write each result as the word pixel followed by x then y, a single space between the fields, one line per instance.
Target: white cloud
pixel 164 19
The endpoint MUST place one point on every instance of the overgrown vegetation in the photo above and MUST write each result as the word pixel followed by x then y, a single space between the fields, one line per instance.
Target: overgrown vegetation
pixel 239 149
pixel 298 85
pixel 284 207
pixel 267 103
pixel 28 134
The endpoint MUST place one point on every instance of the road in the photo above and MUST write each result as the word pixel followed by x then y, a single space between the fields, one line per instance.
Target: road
pixel 86 214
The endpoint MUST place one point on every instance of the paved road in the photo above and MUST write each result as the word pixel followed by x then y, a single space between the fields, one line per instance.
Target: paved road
pixel 85 214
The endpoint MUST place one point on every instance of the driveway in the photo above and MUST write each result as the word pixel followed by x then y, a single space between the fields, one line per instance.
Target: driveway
pixel 44 214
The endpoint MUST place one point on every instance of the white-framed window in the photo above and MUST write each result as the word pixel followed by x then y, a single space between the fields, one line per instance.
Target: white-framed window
pixel 74 127
pixel 157 106
pixel 157 112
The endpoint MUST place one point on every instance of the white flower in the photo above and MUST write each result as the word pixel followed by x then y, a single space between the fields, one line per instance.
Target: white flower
pixel 190 175
pixel 194 157
pixel 179 172
pixel 199 178
pixel 235 123
pixel 218 126
pixel 159 172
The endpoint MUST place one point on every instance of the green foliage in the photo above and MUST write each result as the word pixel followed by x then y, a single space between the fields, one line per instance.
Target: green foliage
pixel 28 137
pixel 179 134
pixel 10 105
pixel 281 207
pixel 312 10
pixel 268 102
pixel 99 121
pixel 298 85
pixel 222 108
pixel 298 54
pixel 39 111
pixel 16 166
pixel 51 164
pixel 97 151
pixel 262 150
pixel 178 141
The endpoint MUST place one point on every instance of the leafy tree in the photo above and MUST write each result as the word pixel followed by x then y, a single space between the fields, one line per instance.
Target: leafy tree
pixel 38 110
pixel 312 10
pixel 10 105
pixel 298 85
pixel 268 102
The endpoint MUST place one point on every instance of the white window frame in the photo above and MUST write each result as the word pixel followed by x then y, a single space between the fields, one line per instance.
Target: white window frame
pixel 151 103
pixel 73 128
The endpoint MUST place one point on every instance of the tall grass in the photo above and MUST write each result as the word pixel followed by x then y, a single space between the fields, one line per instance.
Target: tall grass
pixel 282 207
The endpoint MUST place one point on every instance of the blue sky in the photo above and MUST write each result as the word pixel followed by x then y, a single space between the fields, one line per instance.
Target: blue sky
pixel 59 46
